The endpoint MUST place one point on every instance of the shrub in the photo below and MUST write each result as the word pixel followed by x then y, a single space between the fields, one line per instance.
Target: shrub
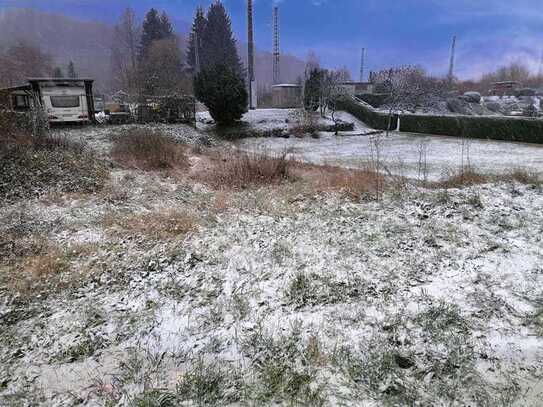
pixel 243 170
pixel 222 89
pixel 31 166
pixel 366 113
pixel 148 149
pixel 495 128
pixel 374 99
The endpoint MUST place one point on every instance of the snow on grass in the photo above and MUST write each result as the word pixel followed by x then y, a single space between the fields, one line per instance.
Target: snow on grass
pixel 277 295
pixel 407 154
pixel 391 302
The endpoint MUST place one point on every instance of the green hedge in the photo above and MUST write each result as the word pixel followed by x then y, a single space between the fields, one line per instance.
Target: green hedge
pixel 366 113
pixel 483 127
pixel 374 99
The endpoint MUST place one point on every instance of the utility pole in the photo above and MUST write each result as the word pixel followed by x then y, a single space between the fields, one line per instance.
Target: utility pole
pixel 276 49
pixel 362 63
pixel 450 75
pixel 251 56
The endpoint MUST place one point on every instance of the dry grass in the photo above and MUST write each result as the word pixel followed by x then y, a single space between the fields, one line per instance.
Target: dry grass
pixel 47 265
pixel 354 184
pixel 161 224
pixel 39 273
pixel 462 178
pixel 243 170
pixel 148 150
pixel 470 176
pixel 524 177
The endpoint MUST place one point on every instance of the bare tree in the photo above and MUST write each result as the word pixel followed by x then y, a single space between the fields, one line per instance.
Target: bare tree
pixel 409 89
pixel 124 51
pixel 329 91
pixel 22 61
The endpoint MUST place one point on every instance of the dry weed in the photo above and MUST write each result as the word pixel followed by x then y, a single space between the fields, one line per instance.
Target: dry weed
pixel 243 170
pixel 148 150
pixel 161 224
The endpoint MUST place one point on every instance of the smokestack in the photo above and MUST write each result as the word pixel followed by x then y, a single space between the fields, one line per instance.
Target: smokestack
pixel 276 49
pixel 251 56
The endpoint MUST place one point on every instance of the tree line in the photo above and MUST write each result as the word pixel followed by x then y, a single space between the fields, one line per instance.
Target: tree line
pixel 22 60
pixel 148 60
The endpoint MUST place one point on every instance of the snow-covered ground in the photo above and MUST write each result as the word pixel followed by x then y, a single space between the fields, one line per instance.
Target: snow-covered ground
pixel 286 296
pixel 279 295
pixel 402 152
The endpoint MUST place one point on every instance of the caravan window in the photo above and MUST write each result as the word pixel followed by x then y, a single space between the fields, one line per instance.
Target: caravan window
pixel 65 101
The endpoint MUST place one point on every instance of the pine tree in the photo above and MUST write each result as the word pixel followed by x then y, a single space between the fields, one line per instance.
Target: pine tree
pixel 218 43
pixel 167 28
pixel 220 84
pixel 71 70
pixel 198 27
pixel 312 89
pixel 222 89
pixel 155 28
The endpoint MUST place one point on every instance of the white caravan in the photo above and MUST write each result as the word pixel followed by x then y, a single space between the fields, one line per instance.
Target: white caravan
pixel 65 100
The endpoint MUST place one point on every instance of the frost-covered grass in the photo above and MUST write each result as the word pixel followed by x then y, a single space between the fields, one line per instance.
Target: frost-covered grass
pixel 161 290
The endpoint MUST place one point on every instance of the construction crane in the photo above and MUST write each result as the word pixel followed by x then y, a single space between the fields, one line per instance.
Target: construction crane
pixel 362 62
pixel 251 56
pixel 450 76
pixel 276 49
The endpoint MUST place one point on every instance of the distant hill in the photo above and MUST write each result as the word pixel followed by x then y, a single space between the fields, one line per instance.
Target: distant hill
pixel 88 44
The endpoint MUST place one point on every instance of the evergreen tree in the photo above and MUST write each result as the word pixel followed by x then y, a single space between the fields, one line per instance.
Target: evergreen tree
pixel 155 27
pixel 162 69
pixel 167 28
pixel 222 89
pixel 312 89
pixel 220 84
pixel 198 27
pixel 218 43
pixel 57 73
pixel 71 70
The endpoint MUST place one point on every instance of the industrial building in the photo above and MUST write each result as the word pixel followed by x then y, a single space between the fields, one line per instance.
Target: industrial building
pixel 286 96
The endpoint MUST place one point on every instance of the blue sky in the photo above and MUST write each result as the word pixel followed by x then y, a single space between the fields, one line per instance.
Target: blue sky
pixel 490 32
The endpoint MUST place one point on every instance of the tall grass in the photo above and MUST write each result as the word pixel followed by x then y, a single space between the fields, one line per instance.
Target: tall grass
pixel 245 169
pixel 147 149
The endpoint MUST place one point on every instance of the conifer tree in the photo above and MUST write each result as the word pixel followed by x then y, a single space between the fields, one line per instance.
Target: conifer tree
pixel 220 84
pixel 222 89
pixel 155 27
pixel 198 27
pixel 218 43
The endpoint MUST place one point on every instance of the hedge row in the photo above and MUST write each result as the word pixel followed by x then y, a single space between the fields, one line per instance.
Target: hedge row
pixel 366 113
pixel 374 99
pixel 482 127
